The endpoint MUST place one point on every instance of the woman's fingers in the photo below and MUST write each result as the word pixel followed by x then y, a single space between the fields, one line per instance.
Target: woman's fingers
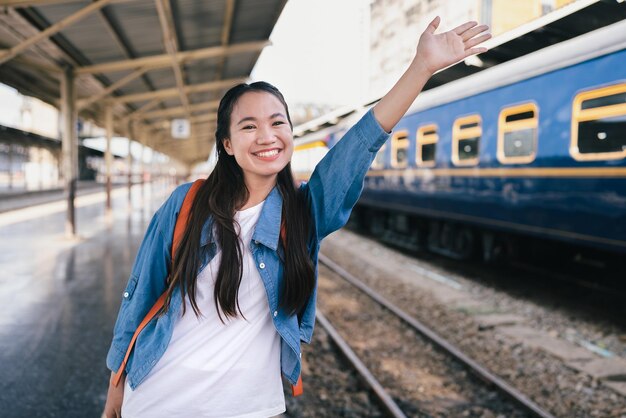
pixel 459 30
pixel 474 51
pixel 476 41
pixel 432 26
pixel 469 34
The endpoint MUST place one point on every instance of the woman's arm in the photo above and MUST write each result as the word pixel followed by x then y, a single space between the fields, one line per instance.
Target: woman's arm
pixel 115 398
pixel 337 181
pixel 434 52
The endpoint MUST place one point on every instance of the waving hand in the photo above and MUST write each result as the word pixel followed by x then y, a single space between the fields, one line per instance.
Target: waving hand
pixel 434 52
pixel 438 51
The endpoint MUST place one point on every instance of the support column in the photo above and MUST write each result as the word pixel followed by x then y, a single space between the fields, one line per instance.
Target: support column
pixel 70 147
pixel 144 141
pixel 108 155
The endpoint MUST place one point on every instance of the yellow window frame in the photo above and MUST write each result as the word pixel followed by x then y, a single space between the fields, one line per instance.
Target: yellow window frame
pixel 459 134
pixel 399 140
pixel 585 115
pixel 316 144
pixel 425 139
pixel 506 127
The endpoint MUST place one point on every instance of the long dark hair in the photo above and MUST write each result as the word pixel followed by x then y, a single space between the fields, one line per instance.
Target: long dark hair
pixel 219 197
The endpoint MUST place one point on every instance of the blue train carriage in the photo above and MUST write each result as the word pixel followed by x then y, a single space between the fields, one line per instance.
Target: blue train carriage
pixel 535 146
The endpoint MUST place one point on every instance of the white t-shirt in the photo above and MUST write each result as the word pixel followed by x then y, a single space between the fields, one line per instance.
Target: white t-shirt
pixel 212 369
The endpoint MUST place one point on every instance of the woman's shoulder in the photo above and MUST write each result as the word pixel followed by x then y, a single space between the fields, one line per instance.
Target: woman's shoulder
pixel 173 203
pixel 180 191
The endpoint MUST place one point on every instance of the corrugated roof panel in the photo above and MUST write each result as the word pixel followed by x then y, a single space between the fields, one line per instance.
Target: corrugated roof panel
pixel 204 96
pixel 135 86
pixel 255 19
pixel 162 78
pixel 202 25
pixel 30 81
pixel 139 25
pixel 56 12
pixel 94 40
pixel 240 64
pixel 113 77
pixel 172 102
pixel 202 71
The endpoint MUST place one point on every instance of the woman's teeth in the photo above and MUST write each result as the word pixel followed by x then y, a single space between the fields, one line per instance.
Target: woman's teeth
pixel 267 153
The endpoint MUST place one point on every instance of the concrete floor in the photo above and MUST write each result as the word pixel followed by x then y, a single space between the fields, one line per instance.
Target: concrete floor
pixel 59 299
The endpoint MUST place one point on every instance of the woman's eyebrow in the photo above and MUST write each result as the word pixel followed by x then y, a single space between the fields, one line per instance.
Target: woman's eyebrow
pixel 246 119
pixel 253 119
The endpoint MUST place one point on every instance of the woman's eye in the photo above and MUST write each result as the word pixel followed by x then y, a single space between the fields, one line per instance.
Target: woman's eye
pixel 279 122
pixel 248 127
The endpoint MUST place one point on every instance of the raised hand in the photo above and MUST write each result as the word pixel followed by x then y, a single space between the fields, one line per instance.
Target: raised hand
pixel 434 52
pixel 437 51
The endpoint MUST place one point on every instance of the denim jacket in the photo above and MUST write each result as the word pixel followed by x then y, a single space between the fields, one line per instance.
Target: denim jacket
pixel 332 191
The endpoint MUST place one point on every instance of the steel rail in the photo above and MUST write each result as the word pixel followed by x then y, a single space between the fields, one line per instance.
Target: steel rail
pixel 384 397
pixel 483 373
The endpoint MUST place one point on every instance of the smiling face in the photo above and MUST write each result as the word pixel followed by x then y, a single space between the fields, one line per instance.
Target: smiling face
pixel 260 136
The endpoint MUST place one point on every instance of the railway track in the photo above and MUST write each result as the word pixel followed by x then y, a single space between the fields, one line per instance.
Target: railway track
pixel 439 404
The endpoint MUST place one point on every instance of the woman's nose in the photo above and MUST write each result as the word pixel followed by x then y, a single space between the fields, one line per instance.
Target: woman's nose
pixel 265 135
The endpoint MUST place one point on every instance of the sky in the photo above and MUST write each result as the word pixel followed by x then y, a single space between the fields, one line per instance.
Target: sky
pixel 318 52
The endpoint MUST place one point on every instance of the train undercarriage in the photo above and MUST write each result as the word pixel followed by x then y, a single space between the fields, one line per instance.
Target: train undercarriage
pixel 461 241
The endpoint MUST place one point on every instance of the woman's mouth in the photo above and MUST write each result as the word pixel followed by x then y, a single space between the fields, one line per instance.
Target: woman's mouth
pixel 268 155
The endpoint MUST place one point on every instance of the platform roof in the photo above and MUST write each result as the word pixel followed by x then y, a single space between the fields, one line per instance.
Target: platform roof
pixel 152 60
pixel 568 22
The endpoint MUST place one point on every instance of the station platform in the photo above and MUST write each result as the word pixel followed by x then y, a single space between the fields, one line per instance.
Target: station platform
pixel 18 199
pixel 59 299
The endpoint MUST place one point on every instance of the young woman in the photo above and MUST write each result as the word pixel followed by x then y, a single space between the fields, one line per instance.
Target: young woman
pixel 251 288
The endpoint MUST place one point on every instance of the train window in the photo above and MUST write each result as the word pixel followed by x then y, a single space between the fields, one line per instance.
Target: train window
pixel 599 123
pixel 426 148
pixel 517 134
pixel 466 134
pixel 379 160
pixel 400 149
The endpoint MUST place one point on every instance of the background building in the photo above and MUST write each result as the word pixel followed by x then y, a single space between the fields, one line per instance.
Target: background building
pixel 397 24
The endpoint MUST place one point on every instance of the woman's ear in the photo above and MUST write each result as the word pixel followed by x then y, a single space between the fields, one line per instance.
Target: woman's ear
pixel 227 146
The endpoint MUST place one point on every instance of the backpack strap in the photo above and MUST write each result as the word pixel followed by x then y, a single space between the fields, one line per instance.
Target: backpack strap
pixel 296 390
pixel 179 229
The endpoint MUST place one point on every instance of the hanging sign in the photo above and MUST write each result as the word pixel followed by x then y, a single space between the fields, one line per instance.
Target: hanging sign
pixel 180 128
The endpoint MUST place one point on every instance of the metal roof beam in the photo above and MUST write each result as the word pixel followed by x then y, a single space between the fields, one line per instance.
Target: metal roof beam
pixel 47 67
pixel 177 111
pixel 173 92
pixel 228 24
pixel 164 60
pixel 209 119
pixel 200 119
pixel 137 114
pixel 6 55
pixel 29 3
pixel 166 141
pixel 170 41
pixel 121 82
pixel 113 26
